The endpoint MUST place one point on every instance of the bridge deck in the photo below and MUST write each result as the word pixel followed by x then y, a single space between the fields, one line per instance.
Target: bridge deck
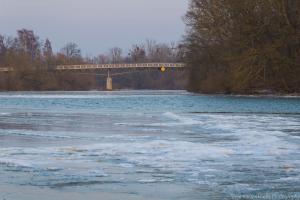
pixel 6 69
pixel 110 66
pixel 120 66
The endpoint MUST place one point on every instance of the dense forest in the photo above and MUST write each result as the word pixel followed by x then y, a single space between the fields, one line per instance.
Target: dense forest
pixel 33 61
pixel 243 46
pixel 231 46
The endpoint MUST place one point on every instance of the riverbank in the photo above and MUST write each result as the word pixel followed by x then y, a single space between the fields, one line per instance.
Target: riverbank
pixel 158 91
pixel 251 94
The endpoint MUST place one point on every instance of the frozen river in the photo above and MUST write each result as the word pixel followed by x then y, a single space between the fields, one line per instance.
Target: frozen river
pixel 164 145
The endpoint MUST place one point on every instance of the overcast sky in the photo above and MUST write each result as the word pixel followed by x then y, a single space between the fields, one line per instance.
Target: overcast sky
pixel 95 25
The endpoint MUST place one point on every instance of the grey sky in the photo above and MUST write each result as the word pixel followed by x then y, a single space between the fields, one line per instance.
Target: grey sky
pixel 95 25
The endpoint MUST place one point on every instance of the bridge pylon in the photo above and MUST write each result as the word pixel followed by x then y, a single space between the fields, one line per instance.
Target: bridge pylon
pixel 109 85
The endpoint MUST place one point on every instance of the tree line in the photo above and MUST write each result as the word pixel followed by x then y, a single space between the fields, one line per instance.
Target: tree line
pixel 245 46
pixel 34 61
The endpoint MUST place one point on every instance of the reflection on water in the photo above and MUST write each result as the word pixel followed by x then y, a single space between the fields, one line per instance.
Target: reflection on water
pixel 148 145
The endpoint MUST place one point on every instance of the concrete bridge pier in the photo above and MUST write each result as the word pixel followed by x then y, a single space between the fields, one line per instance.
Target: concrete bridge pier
pixel 109 85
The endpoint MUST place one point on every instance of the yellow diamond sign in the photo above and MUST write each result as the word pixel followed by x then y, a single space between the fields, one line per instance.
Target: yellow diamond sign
pixel 162 69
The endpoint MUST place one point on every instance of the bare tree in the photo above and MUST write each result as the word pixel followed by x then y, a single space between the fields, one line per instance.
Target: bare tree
pixel 2 48
pixel 71 50
pixel 160 52
pixel 137 53
pixel 103 59
pixel 29 43
pixel 47 49
pixel 163 53
pixel 151 49
pixel 116 54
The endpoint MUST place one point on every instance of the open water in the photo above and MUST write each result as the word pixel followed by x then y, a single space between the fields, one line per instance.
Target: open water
pixel 164 145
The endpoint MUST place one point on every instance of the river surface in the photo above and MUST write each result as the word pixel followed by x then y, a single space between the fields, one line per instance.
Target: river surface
pixel 165 145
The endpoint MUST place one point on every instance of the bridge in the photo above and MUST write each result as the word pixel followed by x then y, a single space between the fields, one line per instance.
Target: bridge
pixel 121 66
pixel 108 67
pixel 6 69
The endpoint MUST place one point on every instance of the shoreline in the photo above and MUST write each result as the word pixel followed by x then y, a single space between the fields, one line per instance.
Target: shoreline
pixel 270 95
pixel 250 94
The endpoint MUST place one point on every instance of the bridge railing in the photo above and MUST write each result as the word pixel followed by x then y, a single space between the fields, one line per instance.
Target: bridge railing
pixel 110 66
pixel 6 69
pixel 120 66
